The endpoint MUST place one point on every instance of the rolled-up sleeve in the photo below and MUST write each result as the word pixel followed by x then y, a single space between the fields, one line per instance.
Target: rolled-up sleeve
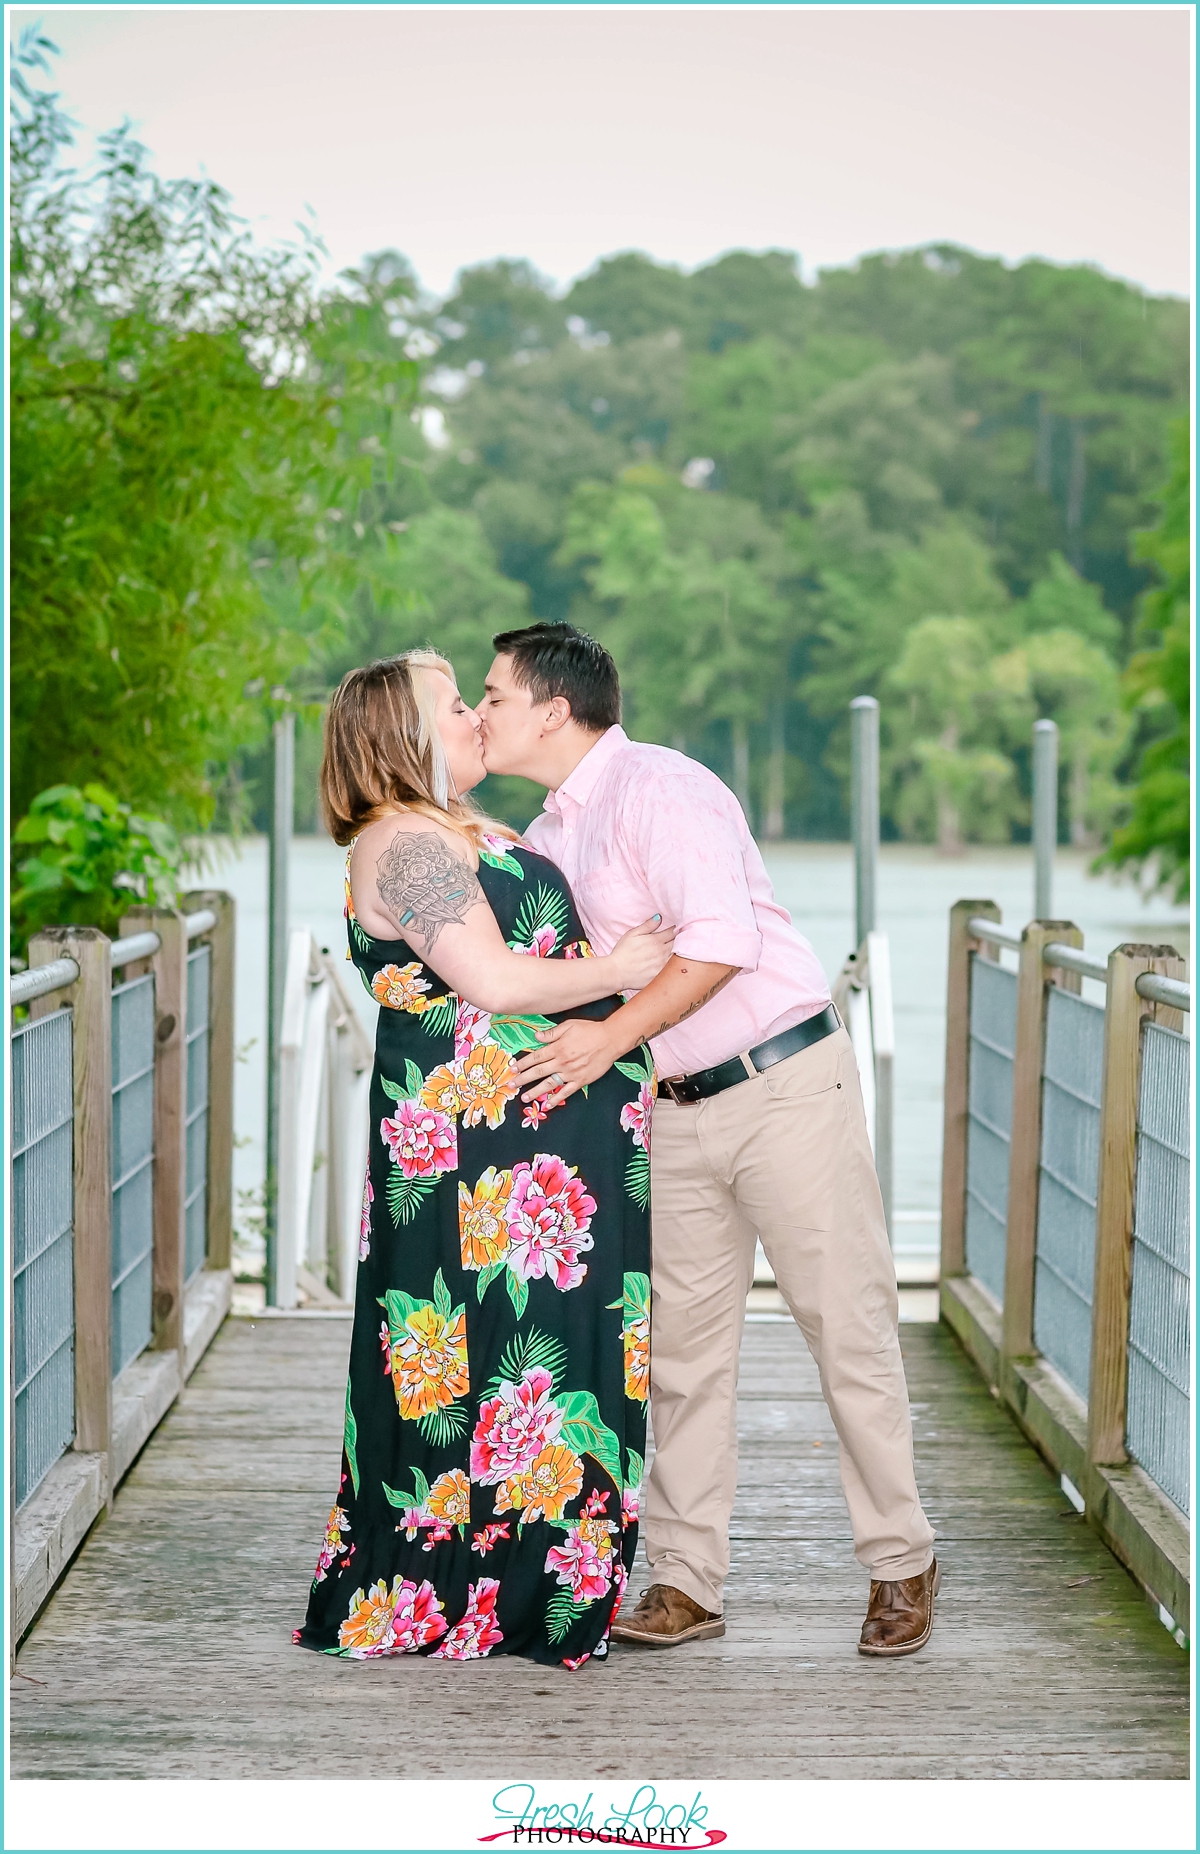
pixel 690 837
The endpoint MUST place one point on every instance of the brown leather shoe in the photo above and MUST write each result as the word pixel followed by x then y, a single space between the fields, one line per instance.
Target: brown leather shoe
pixel 900 1615
pixel 665 1617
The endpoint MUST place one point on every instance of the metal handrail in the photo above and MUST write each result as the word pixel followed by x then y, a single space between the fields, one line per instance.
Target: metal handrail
pixel 40 980
pixel 995 933
pixel 1160 990
pixel 1073 959
pixel 26 986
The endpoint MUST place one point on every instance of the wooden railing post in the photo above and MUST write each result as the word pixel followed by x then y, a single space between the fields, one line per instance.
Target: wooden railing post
pixel 958 1059
pixel 90 999
pixel 1025 1149
pixel 1124 1013
pixel 169 966
pixel 221 1058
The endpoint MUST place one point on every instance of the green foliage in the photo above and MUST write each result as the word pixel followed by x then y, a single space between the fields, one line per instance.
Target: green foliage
pixel 1156 842
pixel 529 1351
pixel 80 857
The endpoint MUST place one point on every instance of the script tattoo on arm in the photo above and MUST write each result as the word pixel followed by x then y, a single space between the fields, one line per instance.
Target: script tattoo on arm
pixel 699 1004
pixel 425 885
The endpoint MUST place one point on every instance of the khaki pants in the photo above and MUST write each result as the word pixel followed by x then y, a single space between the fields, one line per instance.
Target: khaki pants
pixel 783 1155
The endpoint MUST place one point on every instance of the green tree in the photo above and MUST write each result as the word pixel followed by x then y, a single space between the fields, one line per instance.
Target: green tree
pixel 1156 842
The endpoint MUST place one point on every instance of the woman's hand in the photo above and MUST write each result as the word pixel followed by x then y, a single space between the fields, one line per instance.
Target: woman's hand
pixel 641 954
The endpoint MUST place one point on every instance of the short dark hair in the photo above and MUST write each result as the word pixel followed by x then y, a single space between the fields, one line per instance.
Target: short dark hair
pixel 556 659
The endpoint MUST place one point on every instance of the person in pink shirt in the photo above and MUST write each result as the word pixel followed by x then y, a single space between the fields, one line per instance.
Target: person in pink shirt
pixel 758 1130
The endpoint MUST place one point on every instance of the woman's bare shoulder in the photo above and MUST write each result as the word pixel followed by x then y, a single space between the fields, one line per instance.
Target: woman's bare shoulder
pixel 402 854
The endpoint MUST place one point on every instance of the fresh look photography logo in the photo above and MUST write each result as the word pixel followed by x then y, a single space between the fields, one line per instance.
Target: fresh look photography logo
pixel 646 1820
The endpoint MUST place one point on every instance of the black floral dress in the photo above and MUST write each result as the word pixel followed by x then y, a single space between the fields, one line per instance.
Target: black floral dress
pixel 499 1365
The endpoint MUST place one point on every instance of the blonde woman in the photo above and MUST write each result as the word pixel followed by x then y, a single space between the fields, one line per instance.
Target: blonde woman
pixel 496 1405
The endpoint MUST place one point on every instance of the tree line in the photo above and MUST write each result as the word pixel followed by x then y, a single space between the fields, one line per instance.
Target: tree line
pixel 917 477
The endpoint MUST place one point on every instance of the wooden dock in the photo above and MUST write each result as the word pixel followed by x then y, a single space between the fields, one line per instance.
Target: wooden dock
pixel 167 1651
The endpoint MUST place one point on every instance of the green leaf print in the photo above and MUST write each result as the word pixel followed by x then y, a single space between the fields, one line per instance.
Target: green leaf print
pixel 441 1296
pixel 585 1431
pixel 517 1032
pixel 636 1304
pixel 547 907
pixel 507 862
pixel 637 1178
pixel 529 1352
pixel 635 1470
pixel 562 1613
pixel 406 1195
pixel 417 1498
pixel 350 1442
pixel 638 1072
pixel 439 1019
pixel 393 1090
pixel 414 1081
pixel 518 1293
pixel 445 1424
pixel 361 941
pixel 398 1305
pixel 486 1277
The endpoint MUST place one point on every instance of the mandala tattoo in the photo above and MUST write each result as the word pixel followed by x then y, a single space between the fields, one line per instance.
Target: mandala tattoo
pixel 425 885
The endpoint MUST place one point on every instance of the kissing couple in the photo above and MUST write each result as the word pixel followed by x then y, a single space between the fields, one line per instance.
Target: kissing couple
pixel 605 1063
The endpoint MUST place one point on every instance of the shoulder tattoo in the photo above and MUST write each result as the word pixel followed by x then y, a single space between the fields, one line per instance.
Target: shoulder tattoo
pixel 425 885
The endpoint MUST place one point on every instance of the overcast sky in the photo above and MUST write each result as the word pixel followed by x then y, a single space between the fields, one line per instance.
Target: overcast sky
pixel 562 134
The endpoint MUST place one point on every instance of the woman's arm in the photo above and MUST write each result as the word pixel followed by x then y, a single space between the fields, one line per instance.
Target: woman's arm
pixel 428 894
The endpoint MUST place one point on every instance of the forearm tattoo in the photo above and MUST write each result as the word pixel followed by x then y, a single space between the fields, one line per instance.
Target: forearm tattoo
pixel 699 1004
pixel 424 885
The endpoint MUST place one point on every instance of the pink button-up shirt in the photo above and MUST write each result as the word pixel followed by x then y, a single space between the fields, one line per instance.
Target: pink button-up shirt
pixel 640 830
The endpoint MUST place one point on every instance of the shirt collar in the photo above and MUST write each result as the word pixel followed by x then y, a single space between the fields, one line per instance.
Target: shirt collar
pixel 573 794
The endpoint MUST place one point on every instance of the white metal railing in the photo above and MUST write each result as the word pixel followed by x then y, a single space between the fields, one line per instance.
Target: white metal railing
pixel 1066 1217
pixel 101 1291
pixel 325 1062
pixel 59 973
pixel 1151 985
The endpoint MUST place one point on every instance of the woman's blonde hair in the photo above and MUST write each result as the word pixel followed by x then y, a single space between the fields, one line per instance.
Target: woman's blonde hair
pixel 383 751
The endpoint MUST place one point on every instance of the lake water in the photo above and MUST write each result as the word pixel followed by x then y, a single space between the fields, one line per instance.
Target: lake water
pixel 916 889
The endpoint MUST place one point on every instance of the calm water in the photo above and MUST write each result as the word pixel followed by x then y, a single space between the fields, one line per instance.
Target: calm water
pixel 916 889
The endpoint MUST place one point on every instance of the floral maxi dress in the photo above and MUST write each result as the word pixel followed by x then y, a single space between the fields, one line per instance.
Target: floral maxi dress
pixel 499 1365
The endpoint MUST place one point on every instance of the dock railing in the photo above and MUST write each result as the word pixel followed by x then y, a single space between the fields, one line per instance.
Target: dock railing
pixel 121 1194
pixel 1065 1261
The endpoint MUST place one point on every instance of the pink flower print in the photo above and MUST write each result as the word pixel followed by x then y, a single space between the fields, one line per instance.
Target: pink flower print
pixel 596 1503
pixel 438 1534
pixel 364 1227
pixel 395 1621
pixel 477 1631
pixel 549 1214
pixel 578 949
pixel 421 1140
pixel 499 846
pixel 535 1111
pixel 514 1427
pixel 333 1544
pixel 470 1027
pixel 483 1542
pixel 540 943
pixel 630 1506
pixel 411 1521
pixel 636 1116
pixel 385 1340
pixel 579 1563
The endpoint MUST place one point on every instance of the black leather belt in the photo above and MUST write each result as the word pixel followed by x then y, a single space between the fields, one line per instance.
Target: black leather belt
pixel 684 1089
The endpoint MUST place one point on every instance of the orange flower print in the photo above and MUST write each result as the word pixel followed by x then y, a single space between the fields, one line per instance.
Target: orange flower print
pixel 482 1231
pixel 399 989
pixel 635 1335
pixel 546 1486
pixel 449 1499
pixel 440 1090
pixel 487 1081
pixel 395 1621
pixel 429 1361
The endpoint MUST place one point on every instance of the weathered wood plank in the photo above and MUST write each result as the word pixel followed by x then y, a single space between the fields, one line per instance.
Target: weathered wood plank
pixel 167 1651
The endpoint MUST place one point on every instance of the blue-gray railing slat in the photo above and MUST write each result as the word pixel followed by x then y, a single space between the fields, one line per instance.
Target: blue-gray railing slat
pixel 43 1257
pixel 989 1113
pixel 199 974
pixel 1069 1164
pixel 1157 1402
pixel 132 1168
